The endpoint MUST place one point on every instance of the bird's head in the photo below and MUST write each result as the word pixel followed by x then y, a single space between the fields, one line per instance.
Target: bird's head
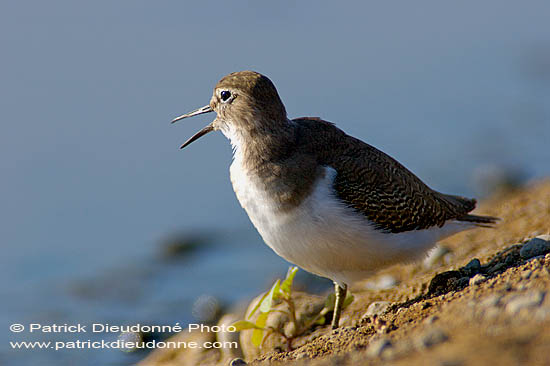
pixel 244 102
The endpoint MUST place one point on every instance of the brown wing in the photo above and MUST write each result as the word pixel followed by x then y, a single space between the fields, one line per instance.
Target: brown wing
pixel 379 187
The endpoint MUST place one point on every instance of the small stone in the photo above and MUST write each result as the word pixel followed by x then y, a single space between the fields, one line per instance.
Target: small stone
pixel 473 266
pixel 376 308
pixel 431 319
pixel 490 301
pixel 431 338
pixel 535 247
pixel 477 279
pixel 509 260
pixel 384 282
pixel 206 309
pixel 378 346
pixel 436 255
pixel 463 282
pixel 524 301
pixel 526 274
pixel 131 338
pixel 237 362
pixel 444 282
pixel 497 267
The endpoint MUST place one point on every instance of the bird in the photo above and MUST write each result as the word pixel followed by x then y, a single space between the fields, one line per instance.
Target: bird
pixel 321 199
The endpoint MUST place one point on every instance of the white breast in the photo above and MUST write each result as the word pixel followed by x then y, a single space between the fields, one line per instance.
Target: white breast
pixel 324 236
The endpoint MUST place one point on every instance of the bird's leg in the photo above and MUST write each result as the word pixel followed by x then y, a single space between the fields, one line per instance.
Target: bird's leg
pixel 340 293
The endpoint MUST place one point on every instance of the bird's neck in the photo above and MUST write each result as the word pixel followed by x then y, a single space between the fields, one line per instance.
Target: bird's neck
pixel 258 145
pixel 272 162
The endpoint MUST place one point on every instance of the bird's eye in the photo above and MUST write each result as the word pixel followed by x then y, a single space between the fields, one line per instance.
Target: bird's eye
pixel 225 95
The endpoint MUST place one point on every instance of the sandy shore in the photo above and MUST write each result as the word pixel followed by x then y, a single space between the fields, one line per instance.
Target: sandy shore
pixel 484 299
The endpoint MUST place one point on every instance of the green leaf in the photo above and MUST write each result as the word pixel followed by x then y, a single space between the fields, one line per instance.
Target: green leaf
pixel 257 336
pixel 320 321
pixel 348 300
pixel 257 305
pixel 286 286
pixel 262 319
pixel 244 324
pixel 258 333
pixel 265 305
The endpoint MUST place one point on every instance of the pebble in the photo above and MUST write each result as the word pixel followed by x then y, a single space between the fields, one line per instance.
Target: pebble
pixel 237 362
pixel 526 274
pixel 490 301
pixel 535 247
pixel 384 282
pixel 376 308
pixel 524 301
pixel 431 338
pixel 207 309
pixel 473 266
pixel 497 267
pixel 378 346
pixel 477 279
pixel 463 282
pixel 128 338
pixel 431 319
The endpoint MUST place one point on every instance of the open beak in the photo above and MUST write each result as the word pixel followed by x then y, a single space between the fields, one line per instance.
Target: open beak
pixel 204 131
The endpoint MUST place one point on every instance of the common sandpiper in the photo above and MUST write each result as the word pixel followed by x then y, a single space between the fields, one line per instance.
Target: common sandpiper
pixel 321 199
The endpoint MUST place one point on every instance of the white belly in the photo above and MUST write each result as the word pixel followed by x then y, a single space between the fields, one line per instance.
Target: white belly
pixel 325 237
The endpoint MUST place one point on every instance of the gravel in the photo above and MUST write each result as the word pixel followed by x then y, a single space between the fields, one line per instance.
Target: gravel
pixel 237 362
pixel 524 301
pixel 477 279
pixel 376 308
pixel 474 266
pixel 535 247
pixel 207 309
pixel 431 338
pixel 378 346
pixel 490 301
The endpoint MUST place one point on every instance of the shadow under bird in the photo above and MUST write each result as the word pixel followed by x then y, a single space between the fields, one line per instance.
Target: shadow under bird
pixel 321 199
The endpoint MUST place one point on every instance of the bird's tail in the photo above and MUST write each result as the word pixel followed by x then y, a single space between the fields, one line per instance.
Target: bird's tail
pixel 464 205
pixel 481 221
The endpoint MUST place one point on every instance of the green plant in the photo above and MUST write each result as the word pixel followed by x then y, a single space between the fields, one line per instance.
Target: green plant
pixel 279 299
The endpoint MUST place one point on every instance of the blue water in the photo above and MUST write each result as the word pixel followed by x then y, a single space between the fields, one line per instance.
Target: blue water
pixel 93 181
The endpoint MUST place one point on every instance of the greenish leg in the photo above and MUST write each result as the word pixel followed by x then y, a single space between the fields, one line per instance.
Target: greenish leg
pixel 340 293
